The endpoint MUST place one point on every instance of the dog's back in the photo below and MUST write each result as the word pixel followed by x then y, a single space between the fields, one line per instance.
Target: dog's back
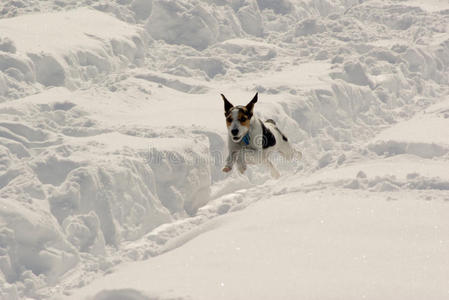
pixel 271 121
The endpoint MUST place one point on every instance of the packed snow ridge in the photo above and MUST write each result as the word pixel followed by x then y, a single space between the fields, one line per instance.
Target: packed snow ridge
pixel 112 136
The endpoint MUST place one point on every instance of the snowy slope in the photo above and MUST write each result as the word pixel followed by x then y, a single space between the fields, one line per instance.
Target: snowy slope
pixel 315 245
pixel 112 140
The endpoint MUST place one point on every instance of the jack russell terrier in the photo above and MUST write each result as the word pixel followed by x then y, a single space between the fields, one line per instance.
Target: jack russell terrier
pixel 251 141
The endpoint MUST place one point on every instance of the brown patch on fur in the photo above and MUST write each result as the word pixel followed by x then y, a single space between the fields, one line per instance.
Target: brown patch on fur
pixel 228 119
pixel 243 115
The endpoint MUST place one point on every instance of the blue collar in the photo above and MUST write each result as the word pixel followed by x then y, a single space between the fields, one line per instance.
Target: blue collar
pixel 246 139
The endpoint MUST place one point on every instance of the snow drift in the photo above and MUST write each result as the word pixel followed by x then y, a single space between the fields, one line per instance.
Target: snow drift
pixel 112 135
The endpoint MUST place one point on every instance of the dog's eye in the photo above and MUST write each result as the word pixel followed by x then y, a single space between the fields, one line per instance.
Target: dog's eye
pixel 242 119
pixel 229 120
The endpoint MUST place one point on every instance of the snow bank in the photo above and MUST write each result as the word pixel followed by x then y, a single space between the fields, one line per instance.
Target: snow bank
pixel 421 136
pixel 82 189
pixel 66 49
pixel 193 24
pixel 31 240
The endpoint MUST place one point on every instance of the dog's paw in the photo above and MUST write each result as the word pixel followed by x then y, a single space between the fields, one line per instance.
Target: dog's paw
pixel 227 169
pixel 242 169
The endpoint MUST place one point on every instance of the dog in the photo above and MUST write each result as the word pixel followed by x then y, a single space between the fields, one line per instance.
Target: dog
pixel 252 141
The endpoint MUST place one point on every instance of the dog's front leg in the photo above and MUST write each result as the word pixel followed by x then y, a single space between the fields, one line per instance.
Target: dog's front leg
pixel 241 162
pixel 232 157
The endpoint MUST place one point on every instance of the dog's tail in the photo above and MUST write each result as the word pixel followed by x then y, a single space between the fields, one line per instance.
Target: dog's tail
pixel 274 123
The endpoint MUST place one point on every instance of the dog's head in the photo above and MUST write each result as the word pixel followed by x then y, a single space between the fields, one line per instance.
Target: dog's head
pixel 238 118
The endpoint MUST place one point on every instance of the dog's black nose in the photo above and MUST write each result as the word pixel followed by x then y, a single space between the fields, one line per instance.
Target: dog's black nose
pixel 234 132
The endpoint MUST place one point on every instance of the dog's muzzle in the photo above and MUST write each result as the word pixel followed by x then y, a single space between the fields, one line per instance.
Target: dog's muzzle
pixel 235 135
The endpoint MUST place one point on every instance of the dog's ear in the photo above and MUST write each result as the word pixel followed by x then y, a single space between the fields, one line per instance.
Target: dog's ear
pixel 250 105
pixel 227 105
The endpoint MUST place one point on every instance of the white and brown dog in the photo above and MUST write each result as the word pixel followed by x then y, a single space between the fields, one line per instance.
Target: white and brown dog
pixel 251 141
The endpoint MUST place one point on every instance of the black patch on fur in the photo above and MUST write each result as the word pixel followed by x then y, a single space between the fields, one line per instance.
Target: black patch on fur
pixel 227 105
pixel 244 111
pixel 283 136
pixel 280 132
pixel 250 105
pixel 268 137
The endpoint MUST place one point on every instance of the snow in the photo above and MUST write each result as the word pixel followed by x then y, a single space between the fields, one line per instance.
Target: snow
pixel 37 32
pixel 112 141
pixel 68 48
pixel 431 5
pixel 426 129
pixel 392 250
